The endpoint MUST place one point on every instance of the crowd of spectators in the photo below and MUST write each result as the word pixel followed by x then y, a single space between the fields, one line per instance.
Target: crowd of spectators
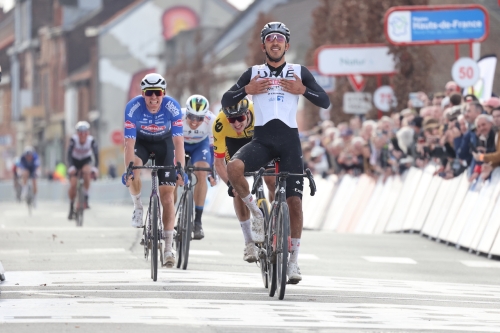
pixel 458 133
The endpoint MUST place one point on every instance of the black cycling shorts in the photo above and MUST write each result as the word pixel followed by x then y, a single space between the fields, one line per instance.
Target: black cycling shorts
pixel 275 140
pixel 164 155
pixel 233 145
pixel 79 164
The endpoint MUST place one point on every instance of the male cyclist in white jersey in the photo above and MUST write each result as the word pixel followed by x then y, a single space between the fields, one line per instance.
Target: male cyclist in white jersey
pixel 275 86
pixel 197 123
pixel 80 150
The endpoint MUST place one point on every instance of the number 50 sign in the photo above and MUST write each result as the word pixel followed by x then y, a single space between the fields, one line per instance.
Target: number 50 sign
pixel 465 72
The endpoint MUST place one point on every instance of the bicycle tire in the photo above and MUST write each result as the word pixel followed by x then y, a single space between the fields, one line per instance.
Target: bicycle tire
pixel 283 230
pixel 264 208
pixel 178 236
pixel 270 259
pixel 187 227
pixel 154 239
pixel 29 198
pixel 80 199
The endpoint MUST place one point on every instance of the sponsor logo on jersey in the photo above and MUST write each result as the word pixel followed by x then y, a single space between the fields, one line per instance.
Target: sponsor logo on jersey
pixel 177 123
pixel 277 98
pixel 218 126
pixel 133 108
pixel 129 124
pixel 153 128
pixel 174 110
pixel 263 73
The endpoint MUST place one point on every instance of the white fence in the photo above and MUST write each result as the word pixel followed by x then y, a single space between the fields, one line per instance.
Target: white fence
pixel 450 211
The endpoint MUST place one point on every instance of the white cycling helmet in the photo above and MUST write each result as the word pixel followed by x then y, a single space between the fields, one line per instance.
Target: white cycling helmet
pixel 82 126
pixel 153 80
pixel 197 105
pixel 29 150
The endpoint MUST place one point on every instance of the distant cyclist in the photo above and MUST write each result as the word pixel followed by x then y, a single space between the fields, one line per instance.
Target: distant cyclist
pixel 80 150
pixel 233 129
pixel 276 87
pixel 198 143
pixel 153 124
pixel 29 164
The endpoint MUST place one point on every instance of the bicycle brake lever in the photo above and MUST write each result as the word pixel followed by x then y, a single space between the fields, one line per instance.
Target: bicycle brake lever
pixel 256 180
pixel 130 171
pixel 312 183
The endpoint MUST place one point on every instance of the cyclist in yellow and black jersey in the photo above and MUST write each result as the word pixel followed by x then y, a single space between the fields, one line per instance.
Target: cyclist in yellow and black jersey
pixel 233 128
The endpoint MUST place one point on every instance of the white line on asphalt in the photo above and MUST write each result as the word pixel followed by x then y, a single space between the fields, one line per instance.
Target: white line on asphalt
pixel 14 252
pixel 391 260
pixel 204 253
pixel 305 256
pixel 94 251
pixel 481 264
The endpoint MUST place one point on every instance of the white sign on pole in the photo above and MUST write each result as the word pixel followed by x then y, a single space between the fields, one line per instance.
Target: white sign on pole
pixel 363 60
pixel 357 102
pixel 465 72
pixel 384 98
pixel 325 82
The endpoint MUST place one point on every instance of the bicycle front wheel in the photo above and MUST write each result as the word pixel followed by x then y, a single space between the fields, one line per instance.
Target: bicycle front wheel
pixel 264 208
pixel 283 231
pixel 80 204
pixel 187 227
pixel 154 239
pixel 271 251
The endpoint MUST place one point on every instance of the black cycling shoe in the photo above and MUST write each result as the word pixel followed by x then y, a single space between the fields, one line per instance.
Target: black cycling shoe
pixel 198 231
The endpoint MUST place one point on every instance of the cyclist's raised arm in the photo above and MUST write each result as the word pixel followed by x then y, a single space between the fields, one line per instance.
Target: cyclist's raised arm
pixel 314 93
pixel 237 92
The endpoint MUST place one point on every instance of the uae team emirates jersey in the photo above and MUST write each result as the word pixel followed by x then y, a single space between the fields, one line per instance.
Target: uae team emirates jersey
pixel 144 125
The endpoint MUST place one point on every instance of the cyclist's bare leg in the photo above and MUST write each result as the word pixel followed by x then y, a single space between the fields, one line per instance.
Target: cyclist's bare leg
pixel 35 188
pixel 136 184
pixel 25 175
pixel 241 210
pixel 296 216
pixel 86 176
pixel 271 186
pixel 72 185
pixel 235 172
pixel 167 202
pixel 200 190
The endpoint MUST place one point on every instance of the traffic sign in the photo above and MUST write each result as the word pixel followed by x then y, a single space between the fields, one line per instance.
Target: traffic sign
pixel 357 82
pixel 449 24
pixel 465 72
pixel 117 137
pixel 384 98
pixel 357 102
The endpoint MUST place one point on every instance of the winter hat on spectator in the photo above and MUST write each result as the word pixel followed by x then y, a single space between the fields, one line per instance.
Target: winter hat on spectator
pixel 417 122
pixel 493 102
pixel 317 151
pixel 430 123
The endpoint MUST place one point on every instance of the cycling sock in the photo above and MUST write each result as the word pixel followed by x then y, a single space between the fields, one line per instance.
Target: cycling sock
pixel 252 205
pixel 136 198
pixel 294 251
pixel 168 236
pixel 198 211
pixel 246 227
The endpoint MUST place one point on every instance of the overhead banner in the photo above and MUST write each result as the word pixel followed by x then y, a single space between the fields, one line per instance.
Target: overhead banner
pixel 452 24
pixel 367 59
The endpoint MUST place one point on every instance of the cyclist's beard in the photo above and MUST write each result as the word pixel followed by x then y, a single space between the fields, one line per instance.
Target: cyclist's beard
pixel 275 59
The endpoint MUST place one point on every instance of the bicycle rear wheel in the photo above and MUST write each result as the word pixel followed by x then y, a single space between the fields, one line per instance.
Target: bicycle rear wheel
pixel 178 236
pixel 271 252
pixel 187 227
pixel 264 208
pixel 283 230
pixel 154 239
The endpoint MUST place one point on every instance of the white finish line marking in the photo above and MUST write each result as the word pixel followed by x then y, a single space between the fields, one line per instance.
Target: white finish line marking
pixel 305 256
pixel 204 253
pixel 481 264
pixel 100 251
pixel 25 252
pixel 391 260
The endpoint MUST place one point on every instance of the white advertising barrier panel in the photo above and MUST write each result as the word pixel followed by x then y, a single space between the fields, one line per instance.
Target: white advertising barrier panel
pixel 493 223
pixel 411 180
pixel 357 102
pixel 378 204
pixel 339 202
pixel 370 210
pixel 445 206
pixel 388 206
pixel 458 198
pixel 316 209
pixel 462 216
pixel 339 60
pixel 432 222
pixel 495 247
pixel 426 205
pixel 419 196
pixel 478 218
pixel 358 201
pixel 362 204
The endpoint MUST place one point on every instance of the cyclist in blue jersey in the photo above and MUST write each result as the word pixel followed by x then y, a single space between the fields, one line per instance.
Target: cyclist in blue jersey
pixel 199 144
pixel 29 164
pixel 276 87
pixel 153 124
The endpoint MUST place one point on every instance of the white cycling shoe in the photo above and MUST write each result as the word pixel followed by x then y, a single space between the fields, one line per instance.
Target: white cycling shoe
pixel 293 273
pixel 169 259
pixel 257 229
pixel 137 218
pixel 250 253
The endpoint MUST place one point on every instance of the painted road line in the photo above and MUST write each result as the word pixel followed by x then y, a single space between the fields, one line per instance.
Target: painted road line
pixel 204 253
pixel 15 252
pixel 101 251
pixel 481 264
pixel 391 260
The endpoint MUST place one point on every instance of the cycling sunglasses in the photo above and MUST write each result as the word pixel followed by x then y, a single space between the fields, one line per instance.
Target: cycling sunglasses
pixel 240 119
pixel 195 118
pixel 151 92
pixel 279 38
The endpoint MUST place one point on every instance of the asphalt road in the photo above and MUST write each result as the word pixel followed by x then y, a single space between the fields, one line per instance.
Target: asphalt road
pixel 60 278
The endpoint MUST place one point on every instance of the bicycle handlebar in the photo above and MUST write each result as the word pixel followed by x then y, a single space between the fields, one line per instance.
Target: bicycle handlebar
pixel 131 167
pixel 261 172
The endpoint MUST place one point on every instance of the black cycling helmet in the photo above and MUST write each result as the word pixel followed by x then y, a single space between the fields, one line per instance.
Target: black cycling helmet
pixel 275 27
pixel 237 110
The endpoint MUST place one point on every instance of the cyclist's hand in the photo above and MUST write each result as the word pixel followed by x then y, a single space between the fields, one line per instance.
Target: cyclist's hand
pixel 230 190
pixel 95 173
pixel 293 87
pixel 181 181
pixel 212 180
pixel 126 180
pixel 255 87
pixel 71 170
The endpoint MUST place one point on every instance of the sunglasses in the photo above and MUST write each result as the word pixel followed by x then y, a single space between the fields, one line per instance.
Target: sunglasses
pixel 279 38
pixel 240 119
pixel 195 118
pixel 151 92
